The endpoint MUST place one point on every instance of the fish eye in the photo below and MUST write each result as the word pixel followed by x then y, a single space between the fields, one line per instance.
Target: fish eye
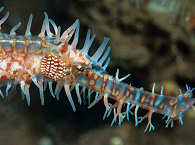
pixel 80 68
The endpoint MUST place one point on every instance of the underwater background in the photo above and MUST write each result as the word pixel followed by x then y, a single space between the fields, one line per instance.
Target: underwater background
pixel 153 40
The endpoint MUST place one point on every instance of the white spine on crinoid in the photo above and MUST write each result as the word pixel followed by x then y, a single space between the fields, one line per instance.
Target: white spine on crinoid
pixel 100 57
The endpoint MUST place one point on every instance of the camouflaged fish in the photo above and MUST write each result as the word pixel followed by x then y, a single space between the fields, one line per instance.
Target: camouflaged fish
pixel 50 58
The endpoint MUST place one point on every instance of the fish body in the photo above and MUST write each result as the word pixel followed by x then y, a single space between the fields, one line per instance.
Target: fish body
pixel 54 57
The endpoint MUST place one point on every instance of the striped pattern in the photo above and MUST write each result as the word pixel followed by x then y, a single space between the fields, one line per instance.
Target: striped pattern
pixel 131 97
pixel 50 57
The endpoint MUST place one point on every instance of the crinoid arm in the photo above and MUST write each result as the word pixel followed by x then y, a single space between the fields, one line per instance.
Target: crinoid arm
pixel 54 58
